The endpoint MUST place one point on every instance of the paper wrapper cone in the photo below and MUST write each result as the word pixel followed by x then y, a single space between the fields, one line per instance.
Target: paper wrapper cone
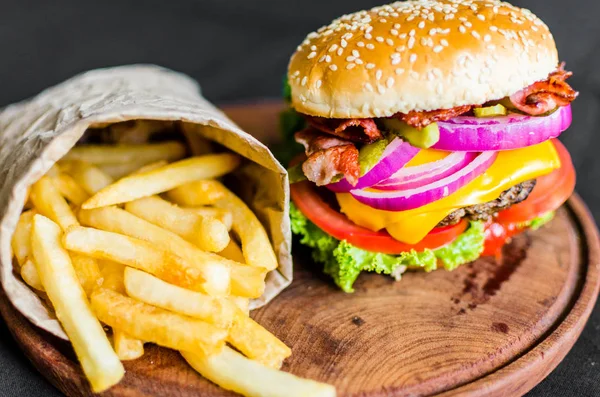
pixel 36 133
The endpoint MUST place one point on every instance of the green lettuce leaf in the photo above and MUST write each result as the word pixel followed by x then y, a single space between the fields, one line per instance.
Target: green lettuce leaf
pixel 540 221
pixel 344 262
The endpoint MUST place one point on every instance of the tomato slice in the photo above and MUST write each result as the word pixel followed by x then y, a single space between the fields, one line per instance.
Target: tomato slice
pixel 311 204
pixel 549 193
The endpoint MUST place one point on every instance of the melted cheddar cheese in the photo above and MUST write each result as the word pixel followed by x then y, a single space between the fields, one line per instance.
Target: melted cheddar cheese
pixel 510 168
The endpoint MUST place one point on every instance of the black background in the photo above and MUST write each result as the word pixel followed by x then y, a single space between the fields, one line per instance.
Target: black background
pixel 238 50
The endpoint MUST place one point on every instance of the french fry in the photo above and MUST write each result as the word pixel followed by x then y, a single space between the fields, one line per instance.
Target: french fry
pixel 153 291
pixel 101 365
pixel 69 189
pixel 126 346
pixel 135 253
pixel 89 177
pixel 214 269
pixel 151 166
pixel 162 179
pixel 152 324
pixel 30 275
pixel 48 202
pixel 119 170
pixel 119 154
pixel 232 371
pixel 21 241
pixel 256 246
pixel 247 281
pixel 209 234
pixel 249 337
pixel 217 213
pixel 196 193
pixel 113 276
pixel 88 272
pixel 233 252
pixel 242 303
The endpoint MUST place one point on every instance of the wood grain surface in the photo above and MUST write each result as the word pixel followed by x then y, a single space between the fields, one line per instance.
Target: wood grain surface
pixel 486 328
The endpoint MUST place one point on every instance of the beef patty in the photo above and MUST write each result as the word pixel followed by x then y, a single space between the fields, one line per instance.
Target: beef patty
pixel 482 212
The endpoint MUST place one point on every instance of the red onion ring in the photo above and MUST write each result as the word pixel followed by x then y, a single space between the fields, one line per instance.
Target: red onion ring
pixel 473 134
pixel 413 198
pixel 396 154
pixel 424 174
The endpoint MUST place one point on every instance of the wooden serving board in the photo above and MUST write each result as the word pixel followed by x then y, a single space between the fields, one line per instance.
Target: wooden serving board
pixel 485 329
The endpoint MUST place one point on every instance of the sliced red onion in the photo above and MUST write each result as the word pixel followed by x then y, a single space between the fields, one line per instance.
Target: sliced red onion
pixel 413 198
pixel 424 174
pixel 396 154
pixel 513 131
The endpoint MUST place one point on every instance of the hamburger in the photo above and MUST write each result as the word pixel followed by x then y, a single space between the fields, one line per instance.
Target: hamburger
pixel 428 135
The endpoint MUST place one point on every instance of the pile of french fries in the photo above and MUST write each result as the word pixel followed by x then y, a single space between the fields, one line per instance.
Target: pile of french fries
pixel 138 238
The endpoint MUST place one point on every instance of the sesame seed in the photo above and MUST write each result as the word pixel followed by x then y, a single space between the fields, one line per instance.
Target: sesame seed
pixel 421 24
pixel 380 89
pixel 369 87
pixel 481 17
pixel 358 61
pixel 318 83
pixel 396 61
pixel 494 28
pixel 304 80
pixel 311 55
pixel 476 35
pixel 396 26
pixel 313 48
pixel 411 42
pixel 468 24
pixel 343 43
pixel 389 41
pixel 444 42
pixel 360 44
pixel 413 74
pixel 389 82
pixel 350 58
pixel 355 53
pixel 437 48
pixel 462 29
pixel 413 58
pixel 322 58
pixel 378 74
pixel 394 32
pixel 296 73
pixel 383 20
pixel 350 66
pixel 379 39
pixel 327 58
pixel 370 65
pixel 340 51
pixel 368 36
pixel 333 48
pixel 370 46
pixel 333 67
pixel 399 71
pixel 432 32
pixel 411 33
pixel 487 38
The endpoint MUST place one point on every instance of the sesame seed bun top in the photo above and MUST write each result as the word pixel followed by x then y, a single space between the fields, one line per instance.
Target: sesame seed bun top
pixel 419 55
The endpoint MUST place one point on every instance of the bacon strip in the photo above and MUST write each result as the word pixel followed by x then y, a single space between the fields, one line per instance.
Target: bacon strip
pixel 355 130
pixel 544 96
pixel 328 157
pixel 423 119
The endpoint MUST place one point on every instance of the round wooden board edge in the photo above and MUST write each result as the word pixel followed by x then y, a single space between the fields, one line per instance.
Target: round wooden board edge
pixel 526 371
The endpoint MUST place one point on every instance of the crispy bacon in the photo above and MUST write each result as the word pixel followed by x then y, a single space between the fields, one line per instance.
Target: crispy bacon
pixel 544 96
pixel 355 130
pixel 424 118
pixel 328 157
